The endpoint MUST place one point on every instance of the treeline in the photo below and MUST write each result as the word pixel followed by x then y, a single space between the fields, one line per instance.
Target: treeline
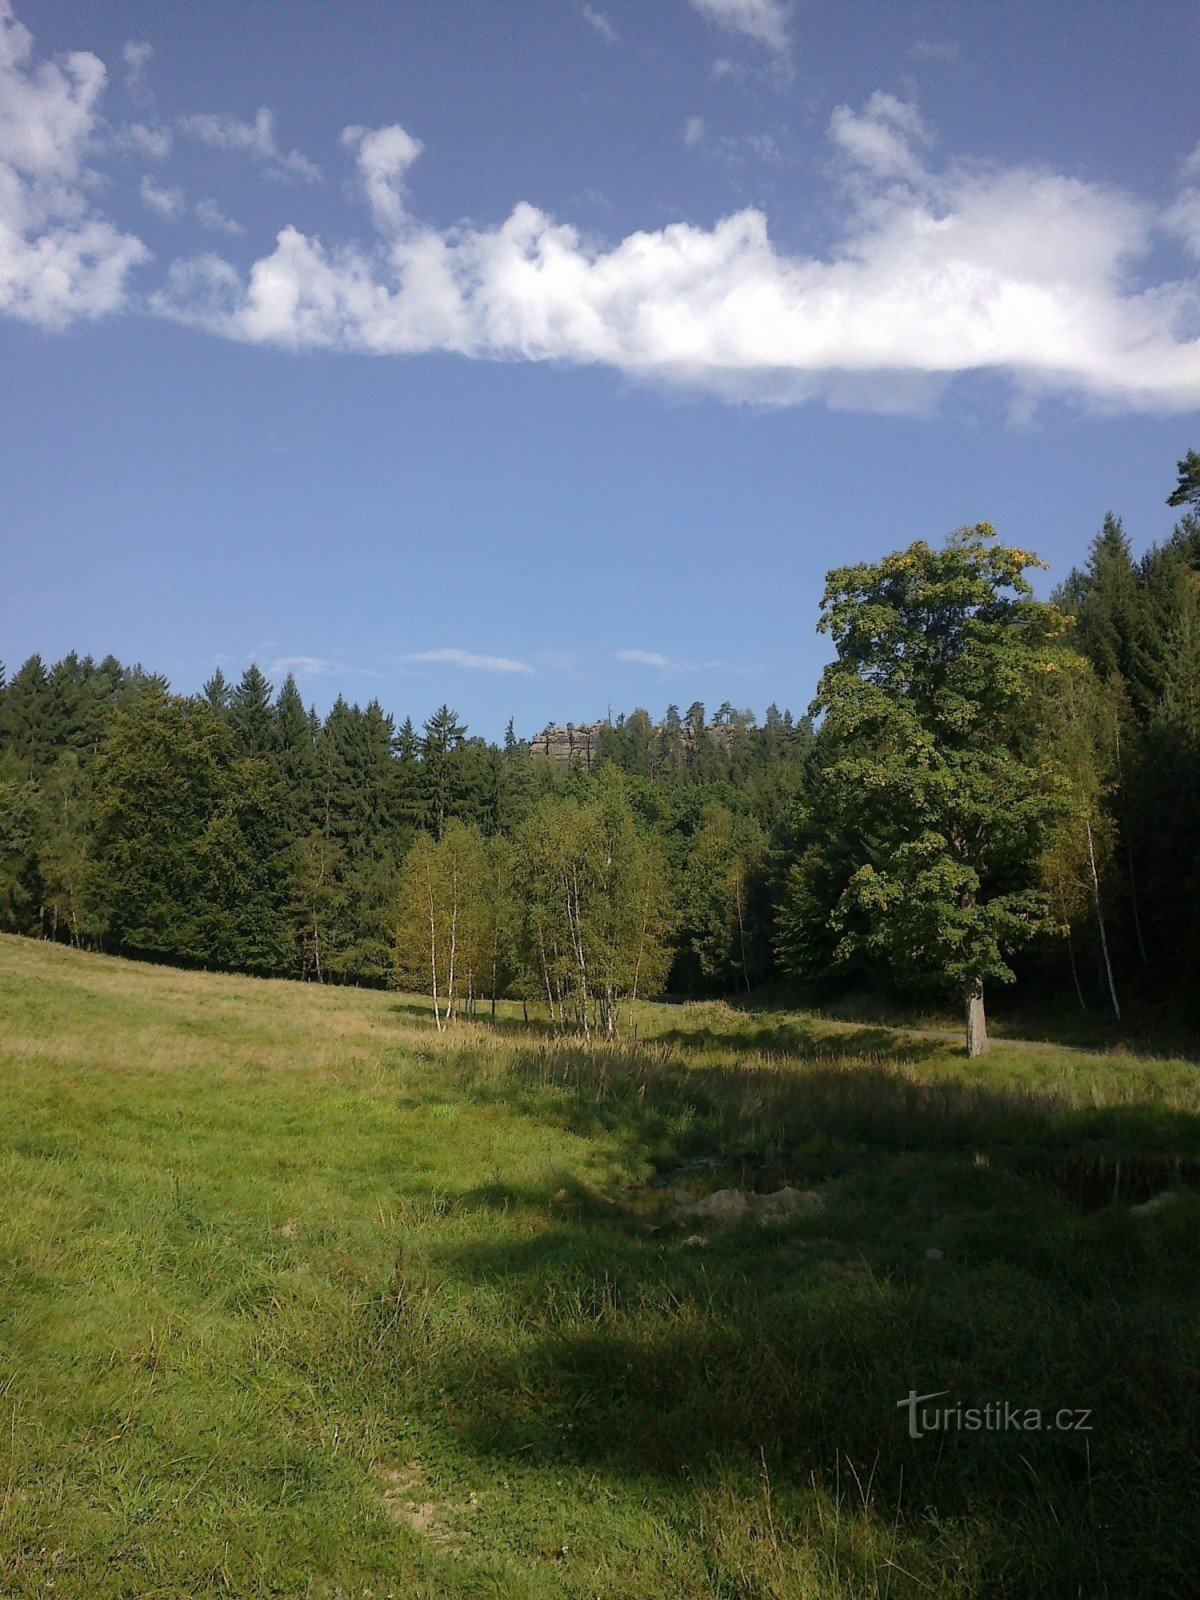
pixel 991 786
pixel 236 829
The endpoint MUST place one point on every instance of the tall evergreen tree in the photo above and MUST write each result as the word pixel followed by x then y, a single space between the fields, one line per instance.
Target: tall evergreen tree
pixel 250 712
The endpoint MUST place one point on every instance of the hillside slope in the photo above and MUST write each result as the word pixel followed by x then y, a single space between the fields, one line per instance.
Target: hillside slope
pixel 302 1298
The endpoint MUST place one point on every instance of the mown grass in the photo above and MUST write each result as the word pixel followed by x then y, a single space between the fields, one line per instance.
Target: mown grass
pixel 290 1306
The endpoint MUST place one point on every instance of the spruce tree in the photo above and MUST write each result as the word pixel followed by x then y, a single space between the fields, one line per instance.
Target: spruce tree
pixel 250 714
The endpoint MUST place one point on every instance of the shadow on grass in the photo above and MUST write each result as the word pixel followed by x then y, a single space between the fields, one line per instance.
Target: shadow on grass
pixel 785 1352
pixel 655 1099
pixel 1148 1028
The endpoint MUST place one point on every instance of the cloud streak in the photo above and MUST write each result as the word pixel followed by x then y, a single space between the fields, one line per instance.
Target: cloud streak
pixel 468 660
pixel 661 663
pixel 600 24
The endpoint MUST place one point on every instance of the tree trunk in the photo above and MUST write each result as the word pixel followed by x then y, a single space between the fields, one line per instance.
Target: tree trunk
pixel 977 1039
pixel 1112 987
pixel 742 933
pixel 1137 921
pixel 1075 969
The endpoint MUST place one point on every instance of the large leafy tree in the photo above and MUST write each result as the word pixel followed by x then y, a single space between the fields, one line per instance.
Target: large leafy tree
pixel 930 767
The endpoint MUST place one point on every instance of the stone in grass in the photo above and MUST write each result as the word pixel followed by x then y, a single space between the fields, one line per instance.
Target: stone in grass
pixel 723 1205
pixel 933 1253
pixel 847 1271
pixel 1156 1202
pixel 785 1203
pixel 732 1205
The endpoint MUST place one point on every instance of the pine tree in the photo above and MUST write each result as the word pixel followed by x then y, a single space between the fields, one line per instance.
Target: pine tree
pixel 250 713
pixel 218 692
pixel 1187 490
pixel 1105 600
pixel 25 721
pixel 293 745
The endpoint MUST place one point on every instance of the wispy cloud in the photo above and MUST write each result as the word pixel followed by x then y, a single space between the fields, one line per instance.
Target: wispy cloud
pixel 166 202
pixel 693 132
pixel 644 658
pixel 278 667
pixel 600 23
pixel 137 55
pixel 737 148
pixel 764 21
pixel 170 203
pixel 303 667
pixel 143 139
pixel 210 216
pixel 220 130
pixel 934 50
pixel 467 659
pixel 661 663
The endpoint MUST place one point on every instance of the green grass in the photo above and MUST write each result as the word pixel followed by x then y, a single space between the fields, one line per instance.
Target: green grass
pixel 294 1304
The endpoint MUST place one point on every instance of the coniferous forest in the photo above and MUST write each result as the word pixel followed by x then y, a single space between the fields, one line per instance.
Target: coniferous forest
pixel 987 787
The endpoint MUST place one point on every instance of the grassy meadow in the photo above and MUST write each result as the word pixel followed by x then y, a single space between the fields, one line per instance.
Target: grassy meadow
pixel 303 1298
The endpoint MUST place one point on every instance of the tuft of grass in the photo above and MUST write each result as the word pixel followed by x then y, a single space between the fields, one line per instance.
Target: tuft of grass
pixel 293 1304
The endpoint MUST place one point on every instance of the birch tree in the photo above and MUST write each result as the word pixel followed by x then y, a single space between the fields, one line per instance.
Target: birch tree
pixel 443 941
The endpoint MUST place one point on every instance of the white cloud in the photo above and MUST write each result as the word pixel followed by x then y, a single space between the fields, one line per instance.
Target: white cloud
pixel 938 268
pixel 693 132
pixel 210 216
pixel 170 202
pixel 384 156
pixel 222 131
pixel 465 658
pixel 144 139
pixel 303 667
pixel 138 55
pixel 58 261
pixel 601 24
pixel 167 202
pixel 968 269
pixel 735 148
pixel 1183 218
pixel 881 138
pixel 311 667
pixel 664 664
pixel 764 21
pixel 644 658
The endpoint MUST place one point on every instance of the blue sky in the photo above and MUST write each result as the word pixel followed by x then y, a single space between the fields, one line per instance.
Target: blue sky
pixel 542 357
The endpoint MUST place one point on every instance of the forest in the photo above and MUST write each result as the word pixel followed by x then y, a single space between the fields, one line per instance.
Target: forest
pixel 987 787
